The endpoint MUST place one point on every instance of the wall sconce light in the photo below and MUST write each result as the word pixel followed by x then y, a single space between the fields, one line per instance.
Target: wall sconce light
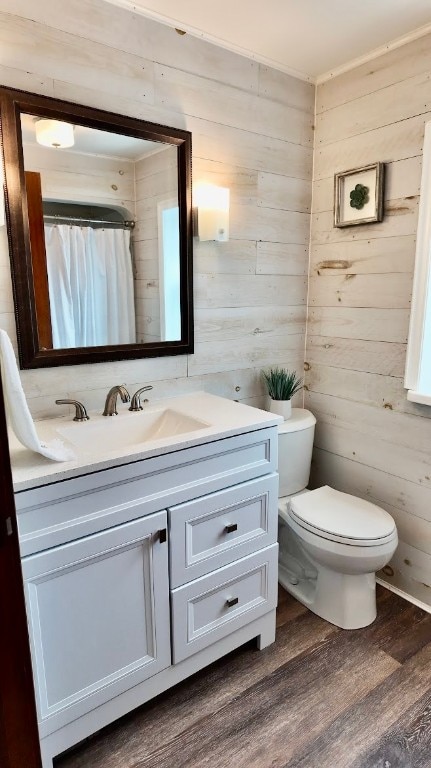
pixel 53 133
pixel 212 206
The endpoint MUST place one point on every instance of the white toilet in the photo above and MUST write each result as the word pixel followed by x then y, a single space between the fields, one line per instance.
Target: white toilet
pixel 331 543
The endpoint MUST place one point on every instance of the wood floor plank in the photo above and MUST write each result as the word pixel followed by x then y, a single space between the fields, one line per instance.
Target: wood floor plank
pixel 350 736
pixel 139 735
pixel 318 697
pixel 275 717
pixel 288 608
pixel 401 628
pixel 414 636
pixel 408 743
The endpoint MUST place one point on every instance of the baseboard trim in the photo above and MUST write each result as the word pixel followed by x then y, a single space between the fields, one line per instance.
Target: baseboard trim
pixel 405 595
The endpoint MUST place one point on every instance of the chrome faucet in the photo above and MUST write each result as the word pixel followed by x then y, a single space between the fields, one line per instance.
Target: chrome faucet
pixel 135 404
pixel 111 399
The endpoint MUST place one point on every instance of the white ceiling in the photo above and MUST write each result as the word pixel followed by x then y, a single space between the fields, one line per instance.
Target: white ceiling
pixel 307 37
pixel 90 141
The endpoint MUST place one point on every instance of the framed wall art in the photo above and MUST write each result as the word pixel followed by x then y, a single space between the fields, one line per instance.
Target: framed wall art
pixel 359 195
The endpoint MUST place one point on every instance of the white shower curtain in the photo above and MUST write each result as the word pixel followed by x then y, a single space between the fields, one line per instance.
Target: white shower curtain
pixel 90 281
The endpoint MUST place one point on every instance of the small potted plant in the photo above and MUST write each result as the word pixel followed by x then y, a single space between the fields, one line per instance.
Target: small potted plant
pixel 281 385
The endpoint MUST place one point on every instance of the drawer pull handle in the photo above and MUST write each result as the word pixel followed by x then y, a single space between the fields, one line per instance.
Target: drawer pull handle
pixel 231 601
pixel 231 528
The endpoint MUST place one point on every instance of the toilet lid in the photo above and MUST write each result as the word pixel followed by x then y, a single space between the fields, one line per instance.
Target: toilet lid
pixel 328 512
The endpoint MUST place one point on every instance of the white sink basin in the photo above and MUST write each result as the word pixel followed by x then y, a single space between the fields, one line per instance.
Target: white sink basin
pixel 129 429
pixel 165 425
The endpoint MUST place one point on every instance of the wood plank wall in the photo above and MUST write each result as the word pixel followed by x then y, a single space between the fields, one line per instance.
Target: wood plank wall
pixel 82 177
pixel 156 181
pixel 369 440
pixel 252 131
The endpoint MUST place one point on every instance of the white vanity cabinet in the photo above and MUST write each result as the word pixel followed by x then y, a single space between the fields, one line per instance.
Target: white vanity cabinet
pixel 141 574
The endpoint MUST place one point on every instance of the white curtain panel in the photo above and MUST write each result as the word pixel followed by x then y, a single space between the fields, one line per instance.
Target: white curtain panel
pixel 90 281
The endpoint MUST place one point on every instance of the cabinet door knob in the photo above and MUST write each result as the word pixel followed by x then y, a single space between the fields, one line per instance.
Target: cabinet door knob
pixel 231 601
pixel 231 528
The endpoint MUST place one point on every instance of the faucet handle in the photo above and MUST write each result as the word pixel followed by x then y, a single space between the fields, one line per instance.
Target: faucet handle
pixel 135 405
pixel 80 411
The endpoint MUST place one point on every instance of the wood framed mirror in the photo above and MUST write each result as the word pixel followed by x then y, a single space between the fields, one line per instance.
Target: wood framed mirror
pixel 99 217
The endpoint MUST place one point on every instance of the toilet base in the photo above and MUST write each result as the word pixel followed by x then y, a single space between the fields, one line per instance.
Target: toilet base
pixel 348 601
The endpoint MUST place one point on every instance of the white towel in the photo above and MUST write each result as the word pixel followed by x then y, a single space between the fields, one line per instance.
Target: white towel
pixel 17 409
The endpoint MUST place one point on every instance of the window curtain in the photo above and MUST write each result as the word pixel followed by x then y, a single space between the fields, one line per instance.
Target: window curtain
pixel 90 282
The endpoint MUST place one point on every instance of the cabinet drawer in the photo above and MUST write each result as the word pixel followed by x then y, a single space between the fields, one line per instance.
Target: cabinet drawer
pixel 222 527
pixel 208 609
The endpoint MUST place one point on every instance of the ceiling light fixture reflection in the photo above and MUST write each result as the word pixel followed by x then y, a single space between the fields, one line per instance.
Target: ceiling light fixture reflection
pixel 53 133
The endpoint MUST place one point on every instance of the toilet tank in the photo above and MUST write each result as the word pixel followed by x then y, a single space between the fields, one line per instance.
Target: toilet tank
pixel 295 446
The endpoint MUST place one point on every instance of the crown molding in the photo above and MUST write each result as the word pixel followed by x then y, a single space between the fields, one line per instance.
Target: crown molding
pixel 374 54
pixel 170 21
pixel 220 42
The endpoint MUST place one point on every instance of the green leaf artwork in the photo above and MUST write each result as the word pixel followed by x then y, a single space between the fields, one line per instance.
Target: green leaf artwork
pixel 359 196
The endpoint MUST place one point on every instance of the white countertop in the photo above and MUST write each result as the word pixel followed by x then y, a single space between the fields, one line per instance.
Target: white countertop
pixel 224 418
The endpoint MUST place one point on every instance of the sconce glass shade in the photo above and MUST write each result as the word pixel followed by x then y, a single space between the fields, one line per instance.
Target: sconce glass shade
pixel 212 205
pixel 53 133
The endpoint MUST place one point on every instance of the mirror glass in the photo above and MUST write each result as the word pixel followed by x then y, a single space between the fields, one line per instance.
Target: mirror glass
pixel 100 232
pixel 110 211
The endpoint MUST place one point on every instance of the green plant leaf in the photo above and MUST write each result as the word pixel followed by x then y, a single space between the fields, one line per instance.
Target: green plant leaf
pixel 281 383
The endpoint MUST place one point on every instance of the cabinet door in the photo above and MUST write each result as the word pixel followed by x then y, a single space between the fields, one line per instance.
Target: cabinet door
pixel 98 612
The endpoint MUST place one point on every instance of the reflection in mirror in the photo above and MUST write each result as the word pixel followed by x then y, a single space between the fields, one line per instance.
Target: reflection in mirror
pixel 104 229
pixel 99 214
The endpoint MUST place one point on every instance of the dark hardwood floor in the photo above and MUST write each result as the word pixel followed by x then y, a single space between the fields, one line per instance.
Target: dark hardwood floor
pixel 319 697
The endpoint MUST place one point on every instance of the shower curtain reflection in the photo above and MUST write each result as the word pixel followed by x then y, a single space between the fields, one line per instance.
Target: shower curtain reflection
pixel 90 281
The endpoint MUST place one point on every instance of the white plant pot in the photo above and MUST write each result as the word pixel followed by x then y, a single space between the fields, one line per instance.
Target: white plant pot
pixel 281 408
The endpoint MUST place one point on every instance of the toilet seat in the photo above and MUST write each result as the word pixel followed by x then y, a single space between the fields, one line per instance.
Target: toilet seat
pixel 340 517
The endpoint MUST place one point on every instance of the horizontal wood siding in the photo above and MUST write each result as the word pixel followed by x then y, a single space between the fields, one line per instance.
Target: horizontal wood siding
pixel 251 131
pixel 370 441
